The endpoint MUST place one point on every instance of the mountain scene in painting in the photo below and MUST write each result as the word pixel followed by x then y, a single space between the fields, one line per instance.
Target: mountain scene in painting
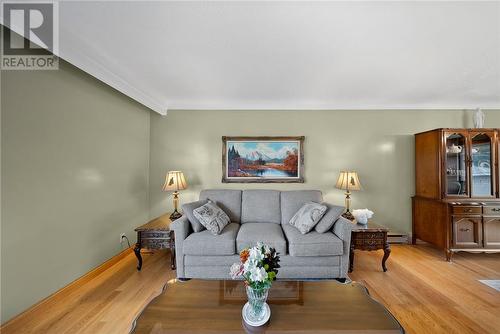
pixel 262 159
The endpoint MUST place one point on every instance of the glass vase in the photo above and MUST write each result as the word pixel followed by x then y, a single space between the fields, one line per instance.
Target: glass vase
pixel 257 299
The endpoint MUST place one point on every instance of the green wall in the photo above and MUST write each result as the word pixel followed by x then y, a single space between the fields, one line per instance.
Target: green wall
pixel 377 144
pixel 75 157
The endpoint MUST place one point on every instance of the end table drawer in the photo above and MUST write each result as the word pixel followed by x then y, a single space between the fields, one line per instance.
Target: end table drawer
pixel 155 240
pixel 155 235
pixel 371 235
pixel 155 243
pixel 369 242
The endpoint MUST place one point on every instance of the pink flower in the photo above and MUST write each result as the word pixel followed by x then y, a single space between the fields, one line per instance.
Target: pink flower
pixel 236 270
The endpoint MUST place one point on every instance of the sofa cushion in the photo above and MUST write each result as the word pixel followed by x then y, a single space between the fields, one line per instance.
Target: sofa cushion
pixel 329 218
pixel 292 201
pixel 212 217
pixel 308 216
pixel 227 200
pixel 270 234
pixel 188 208
pixel 260 206
pixel 205 243
pixel 312 243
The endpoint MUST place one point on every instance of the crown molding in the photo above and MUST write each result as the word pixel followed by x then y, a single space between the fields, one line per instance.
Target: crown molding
pixel 92 67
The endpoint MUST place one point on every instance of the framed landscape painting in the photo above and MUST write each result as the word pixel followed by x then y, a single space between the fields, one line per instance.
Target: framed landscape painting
pixel 262 159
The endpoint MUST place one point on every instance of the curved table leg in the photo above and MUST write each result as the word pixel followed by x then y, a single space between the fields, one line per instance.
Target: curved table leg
pixel 351 258
pixel 172 251
pixel 387 252
pixel 137 251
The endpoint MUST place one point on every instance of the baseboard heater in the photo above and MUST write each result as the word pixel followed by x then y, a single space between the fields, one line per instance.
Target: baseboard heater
pixel 398 238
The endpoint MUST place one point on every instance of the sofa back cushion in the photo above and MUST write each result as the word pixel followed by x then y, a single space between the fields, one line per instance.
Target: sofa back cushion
pixel 292 201
pixel 260 206
pixel 188 208
pixel 228 200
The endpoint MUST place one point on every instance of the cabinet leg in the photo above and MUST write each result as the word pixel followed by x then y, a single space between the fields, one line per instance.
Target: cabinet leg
pixel 351 258
pixel 137 251
pixel 387 252
pixel 449 254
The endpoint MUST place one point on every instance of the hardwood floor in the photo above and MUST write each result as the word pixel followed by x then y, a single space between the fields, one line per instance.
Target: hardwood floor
pixel 425 293
pixel 429 295
pixel 107 304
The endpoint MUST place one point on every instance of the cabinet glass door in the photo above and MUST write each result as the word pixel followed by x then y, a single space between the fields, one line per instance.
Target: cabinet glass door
pixel 456 165
pixel 482 165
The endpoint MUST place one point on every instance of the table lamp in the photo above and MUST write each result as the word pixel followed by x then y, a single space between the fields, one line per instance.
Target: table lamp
pixel 348 180
pixel 175 181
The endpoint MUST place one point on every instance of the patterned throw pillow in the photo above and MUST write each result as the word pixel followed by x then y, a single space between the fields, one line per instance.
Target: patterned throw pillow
pixel 308 216
pixel 212 217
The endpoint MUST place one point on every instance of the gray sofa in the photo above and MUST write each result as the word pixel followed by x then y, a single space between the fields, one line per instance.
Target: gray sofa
pixel 262 215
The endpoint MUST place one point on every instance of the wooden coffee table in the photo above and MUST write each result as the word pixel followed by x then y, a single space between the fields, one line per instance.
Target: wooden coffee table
pixel 199 306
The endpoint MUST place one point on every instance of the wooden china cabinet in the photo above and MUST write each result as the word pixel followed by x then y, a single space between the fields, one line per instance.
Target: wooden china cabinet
pixel 456 205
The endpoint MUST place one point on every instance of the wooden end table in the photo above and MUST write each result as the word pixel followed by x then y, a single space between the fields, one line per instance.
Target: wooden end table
pixel 369 237
pixel 155 234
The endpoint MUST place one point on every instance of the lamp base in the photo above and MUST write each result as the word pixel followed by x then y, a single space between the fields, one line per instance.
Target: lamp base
pixel 348 215
pixel 175 215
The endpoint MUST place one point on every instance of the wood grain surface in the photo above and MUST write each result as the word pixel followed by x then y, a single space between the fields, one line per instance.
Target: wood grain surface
pixel 424 292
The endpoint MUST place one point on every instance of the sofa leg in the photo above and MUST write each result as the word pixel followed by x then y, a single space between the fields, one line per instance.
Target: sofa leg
pixel 182 279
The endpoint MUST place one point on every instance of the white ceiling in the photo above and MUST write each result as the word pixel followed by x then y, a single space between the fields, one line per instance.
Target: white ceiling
pixel 289 55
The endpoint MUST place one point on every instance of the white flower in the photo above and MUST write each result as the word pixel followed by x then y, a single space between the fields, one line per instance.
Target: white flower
pixel 236 270
pixel 255 254
pixel 249 265
pixel 258 274
pixel 362 215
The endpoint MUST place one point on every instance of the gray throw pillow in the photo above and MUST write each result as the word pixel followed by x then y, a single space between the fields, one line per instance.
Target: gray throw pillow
pixel 308 216
pixel 188 211
pixel 331 215
pixel 212 217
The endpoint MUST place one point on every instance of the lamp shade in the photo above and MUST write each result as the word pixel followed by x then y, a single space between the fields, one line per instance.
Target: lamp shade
pixel 174 181
pixel 348 181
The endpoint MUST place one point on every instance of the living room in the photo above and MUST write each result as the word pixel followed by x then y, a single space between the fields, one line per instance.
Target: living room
pixel 152 151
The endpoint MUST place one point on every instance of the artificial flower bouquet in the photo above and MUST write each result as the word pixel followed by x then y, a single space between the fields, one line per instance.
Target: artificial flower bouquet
pixel 258 266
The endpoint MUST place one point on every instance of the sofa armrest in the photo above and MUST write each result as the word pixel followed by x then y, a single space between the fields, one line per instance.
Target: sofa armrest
pixel 342 229
pixel 182 229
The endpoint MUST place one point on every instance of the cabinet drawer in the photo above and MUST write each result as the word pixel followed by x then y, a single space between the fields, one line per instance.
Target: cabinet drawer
pixel 467 210
pixel 491 210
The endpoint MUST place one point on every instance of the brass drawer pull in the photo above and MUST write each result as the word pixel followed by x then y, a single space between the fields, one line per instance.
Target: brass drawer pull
pixel 465 229
pixel 468 210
